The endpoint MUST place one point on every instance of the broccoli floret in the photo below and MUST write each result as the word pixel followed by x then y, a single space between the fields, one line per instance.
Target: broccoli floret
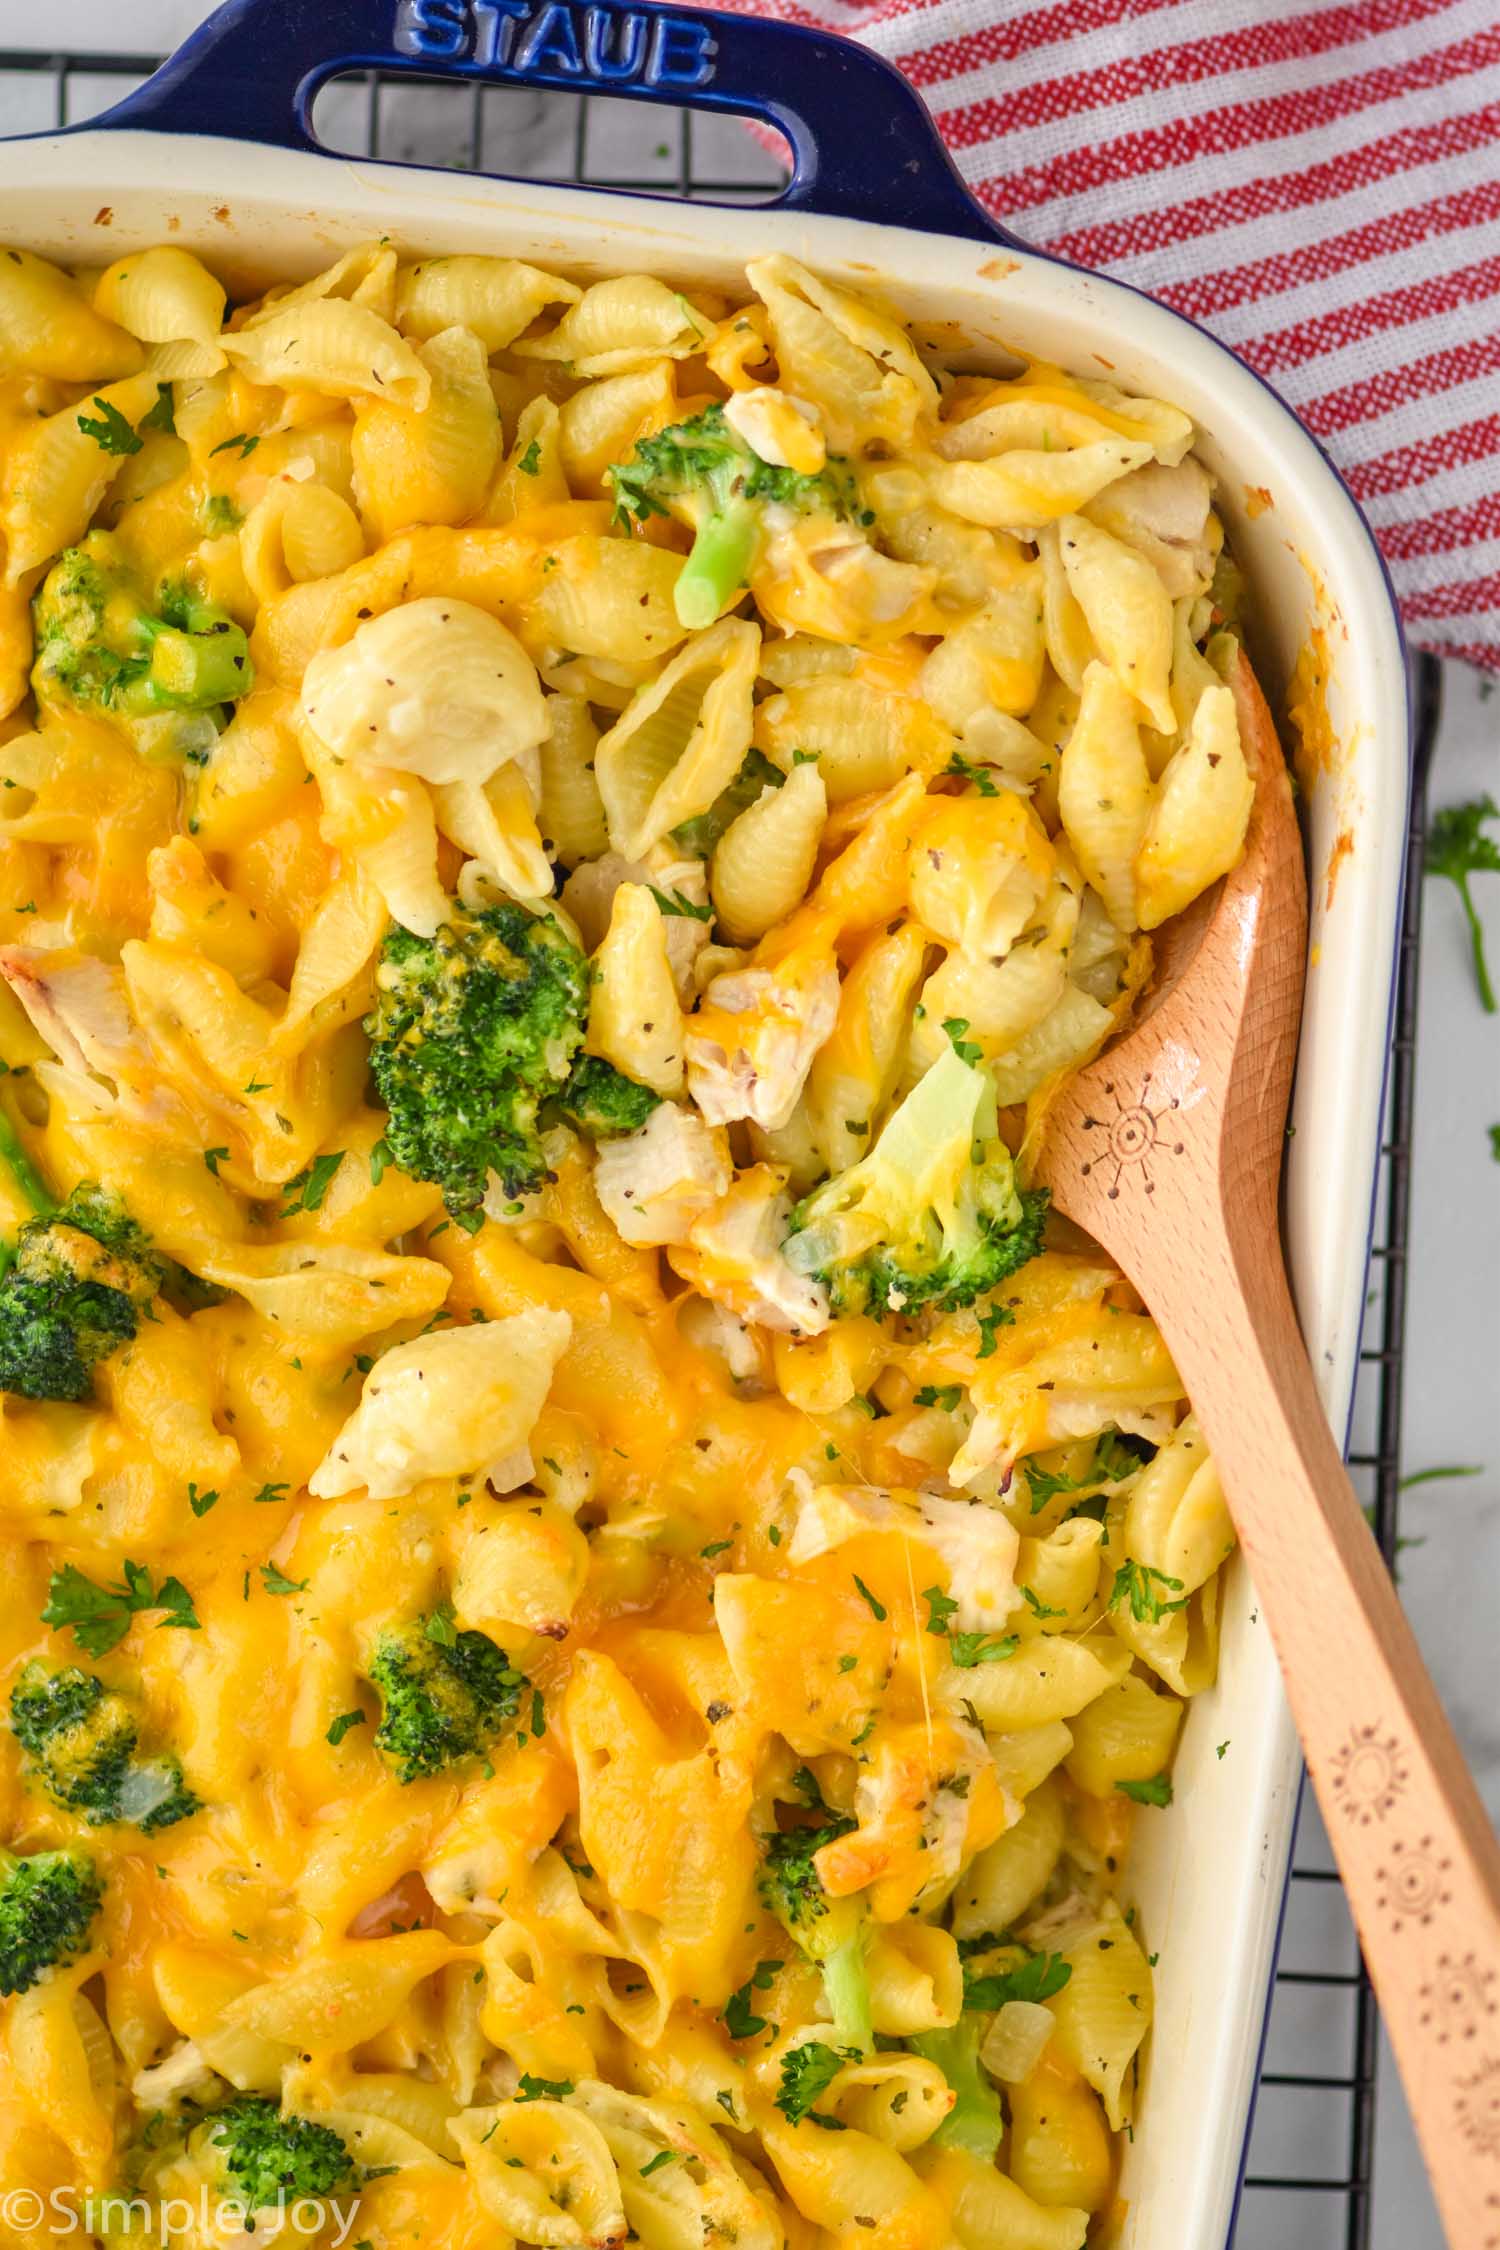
pixel 976 2121
pixel 444 1695
pixel 80 1740
pixel 472 1030
pixel 602 1101
pixel 706 475
pixel 827 1931
pixel 75 1292
pixel 46 1905
pixel 932 1216
pixel 265 2157
pixel 101 644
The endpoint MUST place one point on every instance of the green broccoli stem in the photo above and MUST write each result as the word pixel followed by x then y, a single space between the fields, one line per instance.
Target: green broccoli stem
pixel 190 671
pixel 1476 939
pixel 27 1178
pixel 976 2121
pixel 846 1986
pixel 716 569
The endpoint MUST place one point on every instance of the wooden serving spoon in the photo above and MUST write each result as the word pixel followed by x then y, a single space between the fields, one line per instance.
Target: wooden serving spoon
pixel 1168 1150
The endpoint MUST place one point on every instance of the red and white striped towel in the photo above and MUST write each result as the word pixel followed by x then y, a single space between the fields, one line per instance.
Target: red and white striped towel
pixel 1317 183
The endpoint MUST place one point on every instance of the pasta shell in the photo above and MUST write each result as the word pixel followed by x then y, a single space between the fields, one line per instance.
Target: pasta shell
pixel 1006 1878
pixel 634 1019
pixel 1059 2148
pixel 612 599
pixel 365 276
pixel 619 326
pixel 1128 612
pixel 1104 2010
pixel 544 2172
pixel 682 740
pixel 1196 830
pixel 532 477
pixel 330 345
pixel 165 296
pixel 571 813
pixel 497 298
pixel 337 949
pixel 763 862
pixel 48 327
pixel 1021 491
pixel 602 422
pixel 495 824
pixel 862 739
pixel 993 660
pixel 429 463
pixel 1104 793
pixel 853 1076
pixel 988 2208
pixel 978 870
pixel 433 687
pixel 1127 1734
pixel 856 364
pixel 57 474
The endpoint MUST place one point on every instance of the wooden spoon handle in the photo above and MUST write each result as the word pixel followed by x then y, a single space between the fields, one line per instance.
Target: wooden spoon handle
pixel 1419 1860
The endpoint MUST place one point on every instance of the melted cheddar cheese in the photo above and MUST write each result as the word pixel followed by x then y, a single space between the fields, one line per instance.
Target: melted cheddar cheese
pixel 592 1599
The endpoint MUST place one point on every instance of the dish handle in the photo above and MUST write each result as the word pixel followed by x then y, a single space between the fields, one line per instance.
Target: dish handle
pixel 863 144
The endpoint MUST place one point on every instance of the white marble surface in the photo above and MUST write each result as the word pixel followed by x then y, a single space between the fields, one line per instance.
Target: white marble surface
pixel 1451 1579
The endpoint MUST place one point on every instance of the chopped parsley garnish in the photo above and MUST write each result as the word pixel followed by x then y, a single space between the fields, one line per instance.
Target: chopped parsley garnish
pixel 940 1607
pixel 1112 1462
pixel 161 416
pixel 1156 1791
pixel 966 1049
pixel 675 903
pixel 100 1615
pixel 1136 1583
pixel 1038 1978
pixel 807 2072
pixel 307 1190
pixel 946 1395
pixel 109 430
pixel 738 2015
pixel 960 767
pixel 276 1581
pixel 966 1649
pixel 969 1649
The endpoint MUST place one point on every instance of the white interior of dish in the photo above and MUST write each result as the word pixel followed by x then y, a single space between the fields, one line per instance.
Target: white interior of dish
pixel 1208 1874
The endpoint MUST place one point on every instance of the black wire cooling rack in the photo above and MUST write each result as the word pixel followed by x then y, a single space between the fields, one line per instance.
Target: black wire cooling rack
pixel 1310 2178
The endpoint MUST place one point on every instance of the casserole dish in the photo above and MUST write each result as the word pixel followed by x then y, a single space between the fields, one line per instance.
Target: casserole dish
pixel 216 152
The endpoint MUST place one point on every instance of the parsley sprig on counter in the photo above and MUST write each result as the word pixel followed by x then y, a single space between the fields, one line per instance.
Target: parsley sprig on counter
pixel 1457 847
